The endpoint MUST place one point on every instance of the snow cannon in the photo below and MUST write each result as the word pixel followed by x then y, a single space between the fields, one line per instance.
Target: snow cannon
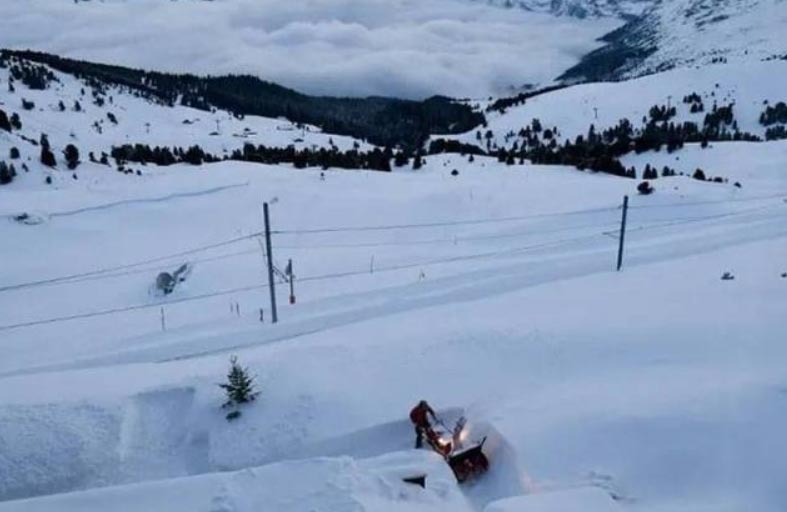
pixel 467 462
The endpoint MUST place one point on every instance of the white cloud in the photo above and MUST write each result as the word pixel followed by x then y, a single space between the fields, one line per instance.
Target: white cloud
pixel 411 48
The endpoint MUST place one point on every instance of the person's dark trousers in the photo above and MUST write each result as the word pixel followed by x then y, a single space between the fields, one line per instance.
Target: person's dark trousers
pixel 419 437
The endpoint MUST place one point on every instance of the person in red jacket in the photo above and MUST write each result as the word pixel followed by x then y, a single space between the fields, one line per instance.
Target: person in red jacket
pixel 419 415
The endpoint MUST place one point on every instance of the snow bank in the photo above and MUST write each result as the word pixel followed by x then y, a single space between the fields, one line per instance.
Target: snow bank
pixel 331 484
pixel 56 447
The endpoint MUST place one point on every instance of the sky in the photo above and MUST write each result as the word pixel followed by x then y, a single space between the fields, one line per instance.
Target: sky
pixel 405 48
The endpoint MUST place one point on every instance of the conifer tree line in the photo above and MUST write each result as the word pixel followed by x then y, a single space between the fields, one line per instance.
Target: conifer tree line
pixel 382 121
pixel 34 76
pixel 601 151
pixel 376 159
pixel 502 104
pixel 775 119
pixel 774 114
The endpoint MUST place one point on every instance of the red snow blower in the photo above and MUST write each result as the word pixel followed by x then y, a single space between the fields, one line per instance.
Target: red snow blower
pixel 466 462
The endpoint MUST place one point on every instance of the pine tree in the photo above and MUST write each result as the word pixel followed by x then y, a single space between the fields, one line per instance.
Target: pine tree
pixel 5 123
pixel 71 154
pixel 6 173
pixel 400 160
pixel 417 162
pixel 239 386
pixel 645 188
pixel 47 157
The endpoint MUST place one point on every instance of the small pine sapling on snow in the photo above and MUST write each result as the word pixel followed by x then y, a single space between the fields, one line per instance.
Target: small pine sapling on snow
pixel 239 387
pixel 645 188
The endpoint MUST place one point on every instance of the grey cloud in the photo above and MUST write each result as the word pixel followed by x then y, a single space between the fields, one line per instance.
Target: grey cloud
pixel 406 48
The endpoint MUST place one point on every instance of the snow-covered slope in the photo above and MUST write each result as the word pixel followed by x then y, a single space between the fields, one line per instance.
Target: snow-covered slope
pixel 66 111
pixel 581 8
pixel 749 87
pixel 679 33
pixel 495 273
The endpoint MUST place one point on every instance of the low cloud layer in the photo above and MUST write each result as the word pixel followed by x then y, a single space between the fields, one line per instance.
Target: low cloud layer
pixel 407 48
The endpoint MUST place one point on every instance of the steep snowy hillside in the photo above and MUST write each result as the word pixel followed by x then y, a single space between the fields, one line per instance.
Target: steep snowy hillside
pixel 581 8
pixel 687 32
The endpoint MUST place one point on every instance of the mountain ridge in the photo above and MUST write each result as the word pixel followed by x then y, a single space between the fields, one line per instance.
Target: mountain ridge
pixel 687 32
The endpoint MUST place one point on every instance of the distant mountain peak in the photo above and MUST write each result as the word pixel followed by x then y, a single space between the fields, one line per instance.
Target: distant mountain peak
pixel 581 8
pixel 679 33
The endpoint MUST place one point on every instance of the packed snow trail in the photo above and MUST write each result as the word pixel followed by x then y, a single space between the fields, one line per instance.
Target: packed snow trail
pixel 150 200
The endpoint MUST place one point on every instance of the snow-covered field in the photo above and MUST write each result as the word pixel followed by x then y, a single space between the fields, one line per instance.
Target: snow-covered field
pixel 661 384
pixel 492 292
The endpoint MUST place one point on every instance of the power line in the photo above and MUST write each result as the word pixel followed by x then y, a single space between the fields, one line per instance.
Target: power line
pixel 129 308
pixel 127 266
pixel 690 220
pixel 337 275
pixel 320 277
pixel 113 271
pixel 509 219
pixel 437 224
pixel 121 273
pixel 719 201
pixel 432 241
pixel 453 259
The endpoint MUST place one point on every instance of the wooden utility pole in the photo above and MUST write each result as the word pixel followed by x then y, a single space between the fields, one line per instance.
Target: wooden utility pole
pixel 291 279
pixel 269 251
pixel 622 231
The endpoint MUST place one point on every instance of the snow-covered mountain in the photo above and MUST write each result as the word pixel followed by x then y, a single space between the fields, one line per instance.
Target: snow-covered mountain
pixel 581 8
pixel 688 32
pixel 615 345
